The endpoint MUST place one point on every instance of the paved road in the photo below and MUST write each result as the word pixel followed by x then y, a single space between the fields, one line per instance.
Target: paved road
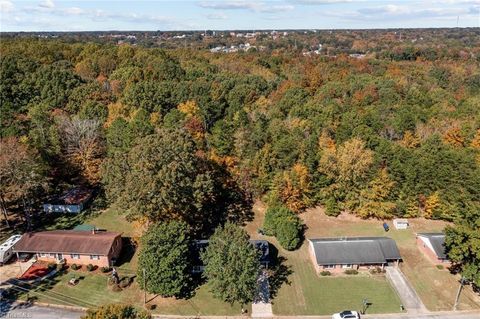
pixel 408 296
pixel 19 311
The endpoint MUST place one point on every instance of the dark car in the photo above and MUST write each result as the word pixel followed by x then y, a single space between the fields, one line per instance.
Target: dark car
pixel 23 257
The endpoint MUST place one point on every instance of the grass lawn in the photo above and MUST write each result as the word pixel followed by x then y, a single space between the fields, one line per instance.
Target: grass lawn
pixel 310 294
pixel 93 289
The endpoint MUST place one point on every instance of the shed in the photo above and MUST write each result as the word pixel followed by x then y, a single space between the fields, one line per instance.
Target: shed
pixel 400 223
pixel 72 201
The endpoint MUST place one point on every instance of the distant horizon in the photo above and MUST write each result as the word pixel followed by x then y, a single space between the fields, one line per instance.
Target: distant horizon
pixel 197 15
pixel 243 30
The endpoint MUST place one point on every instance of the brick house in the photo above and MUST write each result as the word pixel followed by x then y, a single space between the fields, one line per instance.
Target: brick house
pixel 100 248
pixel 360 253
pixel 433 246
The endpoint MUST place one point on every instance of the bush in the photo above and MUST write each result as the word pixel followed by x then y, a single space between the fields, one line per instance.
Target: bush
pixel 75 267
pixel 331 207
pixel 325 273
pixel 52 266
pixel 285 225
pixel 116 288
pixel 440 267
pixel 60 267
pixel 125 282
pixel 105 269
pixel 90 267
pixel 351 272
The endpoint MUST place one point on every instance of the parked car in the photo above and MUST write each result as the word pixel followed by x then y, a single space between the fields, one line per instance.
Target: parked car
pixel 23 257
pixel 346 314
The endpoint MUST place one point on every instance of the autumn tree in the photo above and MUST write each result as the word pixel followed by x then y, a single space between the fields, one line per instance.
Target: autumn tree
pixel 116 311
pixel 347 167
pixel 375 199
pixel 21 175
pixel 82 145
pixel 293 188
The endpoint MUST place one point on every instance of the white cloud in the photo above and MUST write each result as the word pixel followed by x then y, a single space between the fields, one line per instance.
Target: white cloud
pixel 323 2
pixel 253 6
pixel 49 4
pixel 6 6
pixel 73 11
pixel 217 16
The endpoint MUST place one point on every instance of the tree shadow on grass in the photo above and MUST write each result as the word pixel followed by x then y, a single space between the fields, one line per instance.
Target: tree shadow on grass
pixel 128 251
pixel 278 272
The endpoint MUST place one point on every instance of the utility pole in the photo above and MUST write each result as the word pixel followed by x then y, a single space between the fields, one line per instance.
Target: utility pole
pixel 144 288
pixel 462 282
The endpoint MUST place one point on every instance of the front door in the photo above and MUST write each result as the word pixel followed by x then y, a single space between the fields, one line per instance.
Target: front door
pixel 59 257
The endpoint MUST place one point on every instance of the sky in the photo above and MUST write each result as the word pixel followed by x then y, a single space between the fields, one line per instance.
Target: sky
pixel 103 15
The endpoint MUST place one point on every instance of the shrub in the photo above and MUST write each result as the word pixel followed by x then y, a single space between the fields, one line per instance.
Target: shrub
pixel 325 273
pixel 373 271
pixel 331 207
pixel 440 267
pixel 288 232
pixel 52 266
pixel 351 272
pixel 105 269
pixel 125 282
pixel 285 225
pixel 116 288
pixel 90 267
pixel 75 266
pixel 60 267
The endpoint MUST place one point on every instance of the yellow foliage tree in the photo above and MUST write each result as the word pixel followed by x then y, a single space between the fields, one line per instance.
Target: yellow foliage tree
pixel 410 140
pixel 189 108
pixel 294 188
pixel 432 205
pixel 454 137
pixel 374 199
pixel 475 143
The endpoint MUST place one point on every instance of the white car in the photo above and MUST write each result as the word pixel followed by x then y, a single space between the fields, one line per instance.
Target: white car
pixel 346 314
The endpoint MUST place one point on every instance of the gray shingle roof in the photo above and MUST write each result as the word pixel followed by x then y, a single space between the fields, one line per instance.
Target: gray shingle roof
pixel 355 250
pixel 438 243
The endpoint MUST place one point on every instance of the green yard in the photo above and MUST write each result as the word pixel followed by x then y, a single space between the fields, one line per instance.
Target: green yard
pixel 311 294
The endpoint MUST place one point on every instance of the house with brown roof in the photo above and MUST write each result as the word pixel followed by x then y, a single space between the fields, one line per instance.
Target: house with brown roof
pixel 100 248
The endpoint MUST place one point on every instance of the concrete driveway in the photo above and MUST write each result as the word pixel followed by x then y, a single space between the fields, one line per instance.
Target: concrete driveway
pixel 407 294
pixel 14 270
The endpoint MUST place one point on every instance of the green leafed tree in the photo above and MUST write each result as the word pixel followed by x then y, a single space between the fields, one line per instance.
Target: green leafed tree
pixel 284 225
pixel 462 243
pixel 231 265
pixel 160 178
pixel 164 256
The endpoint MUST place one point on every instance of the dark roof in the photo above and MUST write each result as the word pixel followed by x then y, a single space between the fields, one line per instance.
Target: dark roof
pixel 355 250
pixel 67 241
pixel 438 243
pixel 201 244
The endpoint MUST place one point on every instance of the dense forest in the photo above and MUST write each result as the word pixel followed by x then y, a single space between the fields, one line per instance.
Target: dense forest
pixel 187 133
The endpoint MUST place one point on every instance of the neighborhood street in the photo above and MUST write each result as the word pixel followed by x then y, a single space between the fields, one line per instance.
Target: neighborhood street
pixel 16 310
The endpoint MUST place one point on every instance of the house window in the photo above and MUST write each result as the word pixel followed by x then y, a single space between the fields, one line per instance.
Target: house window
pixel 52 255
pixel 347 266
pixel 94 257
pixel 43 255
pixel 75 256
pixel 328 266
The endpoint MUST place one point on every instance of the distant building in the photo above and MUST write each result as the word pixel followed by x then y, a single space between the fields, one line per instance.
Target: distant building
pixel 200 245
pixel 433 246
pixel 342 253
pixel 100 248
pixel 73 201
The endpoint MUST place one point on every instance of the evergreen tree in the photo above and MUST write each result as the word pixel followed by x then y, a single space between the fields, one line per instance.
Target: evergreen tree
pixel 164 256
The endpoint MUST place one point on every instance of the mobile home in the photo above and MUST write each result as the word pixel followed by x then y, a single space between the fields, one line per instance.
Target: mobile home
pixel 6 249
